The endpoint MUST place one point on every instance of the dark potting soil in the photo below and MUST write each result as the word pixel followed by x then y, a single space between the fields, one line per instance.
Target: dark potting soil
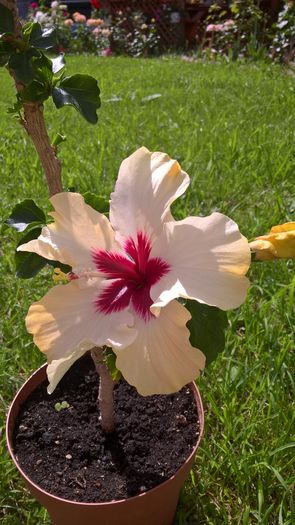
pixel 66 453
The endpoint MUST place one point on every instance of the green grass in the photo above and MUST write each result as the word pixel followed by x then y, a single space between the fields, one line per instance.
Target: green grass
pixel 232 128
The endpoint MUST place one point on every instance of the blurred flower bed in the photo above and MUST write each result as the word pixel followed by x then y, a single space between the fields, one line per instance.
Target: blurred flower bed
pixel 245 31
pixel 76 33
pixel 240 31
pixel 131 34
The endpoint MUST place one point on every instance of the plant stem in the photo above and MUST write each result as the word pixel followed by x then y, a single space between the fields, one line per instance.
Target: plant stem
pixel 12 6
pixel 105 394
pixel 34 124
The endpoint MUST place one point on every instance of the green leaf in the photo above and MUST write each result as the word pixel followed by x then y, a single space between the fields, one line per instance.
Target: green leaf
pixel 80 91
pixel 207 328
pixel 23 66
pixel 6 20
pixel 5 51
pixel 24 214
pixel 43 69
pixel 58 63
pixel 56 264
pixel 61 406
pixel 97 202
pixel 110 360
pixel 58 139
pixel 15 109
pixel 29 264
pixel 41 38
pixel 26 30
pixel 35 92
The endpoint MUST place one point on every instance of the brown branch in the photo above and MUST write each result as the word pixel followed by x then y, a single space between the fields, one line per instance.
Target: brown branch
pixel 34 123
pixel 11 5
pixel 105 395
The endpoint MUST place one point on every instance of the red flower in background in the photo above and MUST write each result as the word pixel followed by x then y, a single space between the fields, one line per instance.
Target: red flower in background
pixel 96 4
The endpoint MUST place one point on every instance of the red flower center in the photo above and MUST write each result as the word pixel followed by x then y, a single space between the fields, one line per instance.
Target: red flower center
pixel 132 277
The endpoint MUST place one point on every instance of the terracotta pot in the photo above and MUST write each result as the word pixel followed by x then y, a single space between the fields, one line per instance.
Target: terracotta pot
pixel 154 507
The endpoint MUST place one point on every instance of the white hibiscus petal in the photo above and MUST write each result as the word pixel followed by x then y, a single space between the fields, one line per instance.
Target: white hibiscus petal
pixel 161 359
pixel 147 185
pixel 57 368
pixel 66 317
pixel 208 259
pixel 77 228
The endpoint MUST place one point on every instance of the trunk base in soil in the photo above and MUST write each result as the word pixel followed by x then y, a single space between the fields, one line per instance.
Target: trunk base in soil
pixel 132 477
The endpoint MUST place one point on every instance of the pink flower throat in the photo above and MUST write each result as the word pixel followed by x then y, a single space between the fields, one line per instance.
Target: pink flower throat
pixel 132 277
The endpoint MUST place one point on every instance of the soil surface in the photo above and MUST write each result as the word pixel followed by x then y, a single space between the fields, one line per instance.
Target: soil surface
pixel 66 453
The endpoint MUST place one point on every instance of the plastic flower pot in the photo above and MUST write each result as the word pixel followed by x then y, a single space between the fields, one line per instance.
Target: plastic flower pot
pixel 156 506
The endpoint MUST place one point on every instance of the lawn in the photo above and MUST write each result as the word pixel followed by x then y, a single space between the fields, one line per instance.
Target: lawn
pixel 231 126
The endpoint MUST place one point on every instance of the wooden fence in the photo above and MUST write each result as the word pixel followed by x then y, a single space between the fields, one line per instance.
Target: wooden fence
pixel 168 16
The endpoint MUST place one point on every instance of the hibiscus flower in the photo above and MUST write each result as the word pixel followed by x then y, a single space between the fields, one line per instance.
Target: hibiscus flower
pixel 279 243
pixel 127 273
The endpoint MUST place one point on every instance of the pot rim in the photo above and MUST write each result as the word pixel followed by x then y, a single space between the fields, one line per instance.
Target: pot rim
pixel 200 409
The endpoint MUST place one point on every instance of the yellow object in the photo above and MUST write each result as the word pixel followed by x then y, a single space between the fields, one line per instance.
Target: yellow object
pixel 278 244
pixel 59 276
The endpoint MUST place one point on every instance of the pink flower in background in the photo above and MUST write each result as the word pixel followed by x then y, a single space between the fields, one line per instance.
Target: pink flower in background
pixel 94 22
pixel 107 52
pixel 105 32
pixel 42 18
pixel 96 31
pixel 34 5
pixel 219 27
pixel 229 23
pixel 78 18
pixel 91 22
pixel 69 22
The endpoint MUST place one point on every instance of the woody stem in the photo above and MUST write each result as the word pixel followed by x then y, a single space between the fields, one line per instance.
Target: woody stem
pixel 105 394
pixel 35 126
pixel 34 123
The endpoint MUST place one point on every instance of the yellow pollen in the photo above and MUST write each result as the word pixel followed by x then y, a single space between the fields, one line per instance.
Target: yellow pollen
pixel 59 276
